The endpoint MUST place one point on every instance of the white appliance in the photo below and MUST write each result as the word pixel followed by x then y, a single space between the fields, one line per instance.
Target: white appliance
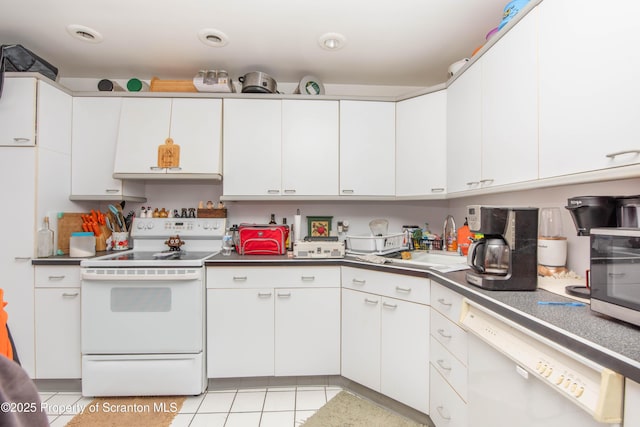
pixel 518 378
pixel 143 311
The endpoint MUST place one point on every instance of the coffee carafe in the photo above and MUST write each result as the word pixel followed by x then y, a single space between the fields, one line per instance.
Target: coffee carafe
pixel 505 258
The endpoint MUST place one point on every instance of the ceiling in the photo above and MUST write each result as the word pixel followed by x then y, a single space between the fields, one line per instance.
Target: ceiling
pixel 399 43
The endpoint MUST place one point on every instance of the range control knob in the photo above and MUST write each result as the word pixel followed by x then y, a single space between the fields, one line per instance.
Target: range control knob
pixel 560 379
pixel 579 392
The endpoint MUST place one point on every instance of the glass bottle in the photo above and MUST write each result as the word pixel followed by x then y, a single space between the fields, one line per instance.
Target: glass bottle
pixel 273 219
pixel 45 239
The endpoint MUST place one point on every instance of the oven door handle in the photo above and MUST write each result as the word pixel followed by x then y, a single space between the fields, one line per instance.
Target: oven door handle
pixel 141 274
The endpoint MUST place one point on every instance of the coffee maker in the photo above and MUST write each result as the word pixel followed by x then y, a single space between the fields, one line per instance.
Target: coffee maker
pixel 506 257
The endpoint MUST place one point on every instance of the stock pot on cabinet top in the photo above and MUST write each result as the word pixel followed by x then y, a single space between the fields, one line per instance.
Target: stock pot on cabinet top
pixel 258 82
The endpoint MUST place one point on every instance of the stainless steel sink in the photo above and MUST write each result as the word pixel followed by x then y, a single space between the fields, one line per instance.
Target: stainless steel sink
pixel 434 259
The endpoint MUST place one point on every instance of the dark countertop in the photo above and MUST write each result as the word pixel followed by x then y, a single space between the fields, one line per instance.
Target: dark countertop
pixel 609 342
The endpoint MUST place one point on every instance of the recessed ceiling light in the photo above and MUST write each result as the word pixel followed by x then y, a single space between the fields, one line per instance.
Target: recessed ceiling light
pixel 83 33
pixel 332 41
pixel 212 37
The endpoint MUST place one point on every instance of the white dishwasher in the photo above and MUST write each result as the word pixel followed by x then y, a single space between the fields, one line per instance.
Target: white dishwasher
pixel 519 378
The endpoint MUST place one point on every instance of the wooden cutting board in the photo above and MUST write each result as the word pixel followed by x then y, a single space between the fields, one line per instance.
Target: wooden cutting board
pixel 69 222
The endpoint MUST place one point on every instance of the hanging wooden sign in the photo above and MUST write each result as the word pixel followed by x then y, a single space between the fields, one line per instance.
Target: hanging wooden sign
pixel 169 154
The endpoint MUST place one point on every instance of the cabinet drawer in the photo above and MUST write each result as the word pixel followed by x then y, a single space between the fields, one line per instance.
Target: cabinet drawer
pixel 408 288
pixel 289 276
pixel 446 408
pixel 450 335
pixel 57 276
pixel 446 301
pixel 451 369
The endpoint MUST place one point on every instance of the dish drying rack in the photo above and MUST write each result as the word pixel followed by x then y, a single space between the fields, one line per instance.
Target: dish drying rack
pixel 377 245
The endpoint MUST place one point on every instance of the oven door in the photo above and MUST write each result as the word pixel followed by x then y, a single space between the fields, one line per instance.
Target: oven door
pixel 142 311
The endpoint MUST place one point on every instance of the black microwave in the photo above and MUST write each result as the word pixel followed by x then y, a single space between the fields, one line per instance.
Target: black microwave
pixel 615 273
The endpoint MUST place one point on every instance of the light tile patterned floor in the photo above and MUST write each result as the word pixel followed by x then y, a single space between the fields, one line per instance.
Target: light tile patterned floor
pixel 244 407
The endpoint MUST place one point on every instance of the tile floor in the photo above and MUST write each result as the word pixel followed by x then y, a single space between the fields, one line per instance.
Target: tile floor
pixel 277 406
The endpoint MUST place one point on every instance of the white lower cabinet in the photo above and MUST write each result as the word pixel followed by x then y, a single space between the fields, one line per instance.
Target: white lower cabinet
pixel 631 403
pixel 265 321
pixel 448 359
pixel 57 322
pixel 385 339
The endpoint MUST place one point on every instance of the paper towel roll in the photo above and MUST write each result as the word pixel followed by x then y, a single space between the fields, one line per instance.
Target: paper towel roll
pixel 297 224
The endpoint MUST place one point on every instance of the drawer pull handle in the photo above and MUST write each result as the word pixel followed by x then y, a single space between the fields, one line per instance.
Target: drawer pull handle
pixel 620 153
pixel 175 168
pixel 308 278
pixel 264 294
pixel 359 281
pixel 370 301
pixel 57 277
pixel 289 191
pixel 390 306
pixel 442 413
pixel 21 140
pixel 442 365
pixel 111 190
pixel 614 275
pixel 284 294
pixel 486 181
pixel 401 289
pixel 155 168
pixel 240 278
pixel 443 334
pixel 437 190
pixel 70 295
pixel 273 191
pixel 347 191
pixel 444 302
pixel 472 183
pixel 22 258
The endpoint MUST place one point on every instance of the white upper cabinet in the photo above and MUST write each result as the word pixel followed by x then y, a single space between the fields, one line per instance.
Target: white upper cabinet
pixel 18 112
pixel 146 124
pixel 310 147
pixel 510 107
pixel 280 148
pixel 367 148
pixel 464 130
pixel 421 145
pixel 94 136
pixel 252 147
pixel 54 114
pixel 589 86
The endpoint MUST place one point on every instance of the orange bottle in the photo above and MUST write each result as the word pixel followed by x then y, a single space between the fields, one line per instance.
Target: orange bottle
pixel 464 238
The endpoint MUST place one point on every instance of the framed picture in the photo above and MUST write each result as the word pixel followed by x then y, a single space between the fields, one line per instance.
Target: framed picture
pixel 319 226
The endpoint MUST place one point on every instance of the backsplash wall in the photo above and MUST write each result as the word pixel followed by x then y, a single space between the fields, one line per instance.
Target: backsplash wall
pixel 359 213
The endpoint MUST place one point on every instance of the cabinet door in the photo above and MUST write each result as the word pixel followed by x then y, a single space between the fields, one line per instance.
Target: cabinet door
pixel 361 338
pixel 367 148
pixel 631 403
pixel 589 108
pixel 144 125
pixel 240 333
pixel 307 331
pixel 17 185
pixel 510 106
pixel 252 147
pixel 94 136
pixel 18 112
pixel 404 353
pixel 196 126
pixel 421 145
pixel 54 118
pixel 57 333
pixel 464 130
pixel 310 148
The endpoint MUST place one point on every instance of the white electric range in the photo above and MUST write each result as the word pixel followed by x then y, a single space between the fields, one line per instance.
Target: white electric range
pixel 143 311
